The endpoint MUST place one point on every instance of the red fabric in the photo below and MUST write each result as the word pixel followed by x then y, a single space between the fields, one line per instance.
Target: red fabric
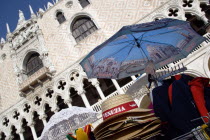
pixel 87 130
pixel 197 88
pixel 177 77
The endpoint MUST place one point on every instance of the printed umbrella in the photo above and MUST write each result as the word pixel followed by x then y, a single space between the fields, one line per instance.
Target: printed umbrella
pixel 129 51
pixel 67 121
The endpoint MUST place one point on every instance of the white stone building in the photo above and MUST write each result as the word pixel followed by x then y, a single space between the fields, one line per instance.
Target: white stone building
pixel 40 72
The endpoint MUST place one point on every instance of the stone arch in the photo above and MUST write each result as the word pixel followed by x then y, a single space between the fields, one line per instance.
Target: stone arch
pixel 73 18
pixel 205 7
pixel 27 57
pixel 76 99
pixel 38 124
pixel 82 26
pixel 91 92
pixel 14 133
pixel 2 135
pixel 27 134
pixel 60 103
pixel 48 111
pixel 195 21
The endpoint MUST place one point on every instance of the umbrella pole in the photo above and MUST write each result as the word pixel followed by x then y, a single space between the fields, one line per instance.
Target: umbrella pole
pixel 138 44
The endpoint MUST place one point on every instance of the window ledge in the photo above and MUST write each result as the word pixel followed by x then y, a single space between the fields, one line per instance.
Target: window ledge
pixel 34 80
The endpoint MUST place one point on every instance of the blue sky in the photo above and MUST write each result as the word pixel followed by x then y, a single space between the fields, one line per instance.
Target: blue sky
pixel 9 12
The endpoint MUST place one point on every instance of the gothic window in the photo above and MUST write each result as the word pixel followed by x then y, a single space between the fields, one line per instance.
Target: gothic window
pixel 84 3
pixel 60 17
pixel 82 27
pixel 33 64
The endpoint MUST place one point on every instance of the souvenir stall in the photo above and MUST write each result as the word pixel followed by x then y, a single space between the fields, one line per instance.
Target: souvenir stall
pixel 176 105
pixel 179 103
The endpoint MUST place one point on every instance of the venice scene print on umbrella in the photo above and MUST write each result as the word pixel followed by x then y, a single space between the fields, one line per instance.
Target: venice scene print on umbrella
pixel 128 51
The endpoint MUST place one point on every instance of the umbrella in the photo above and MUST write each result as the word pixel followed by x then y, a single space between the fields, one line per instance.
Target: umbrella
pixel 129 51
pixel 67 121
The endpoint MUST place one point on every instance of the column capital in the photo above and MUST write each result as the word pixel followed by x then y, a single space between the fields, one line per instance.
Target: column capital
pixel 81 92
pixel 55 109
pixel 42 116
pixel 31 124
pixel 69 100
pixel 94 82
pixel 20 131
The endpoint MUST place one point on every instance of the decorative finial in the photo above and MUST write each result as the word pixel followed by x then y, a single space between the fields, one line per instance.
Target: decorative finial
pixel 32 12
pixel 21 16
pixel 21 19
pixel 8 29
pixel 49 4
pixel 2 40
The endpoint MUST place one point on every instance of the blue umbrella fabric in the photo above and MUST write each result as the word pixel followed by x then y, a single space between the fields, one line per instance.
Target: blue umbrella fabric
pixel 128 51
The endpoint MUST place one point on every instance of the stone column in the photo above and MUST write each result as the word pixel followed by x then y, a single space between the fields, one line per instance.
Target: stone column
pixel 68 102
pixel 120 91
pixel 33 131
pixel 21 134
pixel 55 109
pixel 95 83
pixel 43 118
pixel 84 98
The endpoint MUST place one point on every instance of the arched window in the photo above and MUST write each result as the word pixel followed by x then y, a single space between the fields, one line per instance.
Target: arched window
pixel 84 3
pixel 196 23
pixel 82 27
pixel 33 64
pixel 60 17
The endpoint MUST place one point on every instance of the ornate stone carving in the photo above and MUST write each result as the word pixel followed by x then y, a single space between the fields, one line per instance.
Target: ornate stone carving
pixel 24 35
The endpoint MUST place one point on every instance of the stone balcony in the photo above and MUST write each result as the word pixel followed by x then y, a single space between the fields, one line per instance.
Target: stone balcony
pixel 34 81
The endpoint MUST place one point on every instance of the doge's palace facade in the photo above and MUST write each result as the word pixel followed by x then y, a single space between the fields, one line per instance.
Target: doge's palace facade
pixel 40 72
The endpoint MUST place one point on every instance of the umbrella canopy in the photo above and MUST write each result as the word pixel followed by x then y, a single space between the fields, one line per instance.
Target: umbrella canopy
pixel 128 51
pixel 67 121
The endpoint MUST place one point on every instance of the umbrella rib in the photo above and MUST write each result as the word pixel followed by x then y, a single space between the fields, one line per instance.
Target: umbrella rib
pixel 162 33
pixel 142 51
pixel 121 43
